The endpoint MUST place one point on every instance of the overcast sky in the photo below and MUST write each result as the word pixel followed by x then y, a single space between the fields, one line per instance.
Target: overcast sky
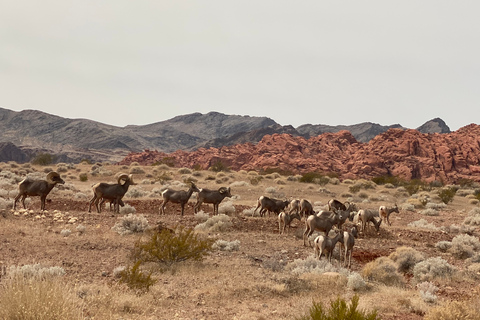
pixel 297 62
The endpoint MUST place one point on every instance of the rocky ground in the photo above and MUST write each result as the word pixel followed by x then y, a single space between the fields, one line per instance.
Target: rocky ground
pixel 251 283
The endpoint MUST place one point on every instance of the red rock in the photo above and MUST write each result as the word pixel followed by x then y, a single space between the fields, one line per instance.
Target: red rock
pixel 408 154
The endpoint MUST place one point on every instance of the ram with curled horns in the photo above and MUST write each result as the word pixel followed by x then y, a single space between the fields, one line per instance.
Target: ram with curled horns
pixel 37 188
pixel 113 192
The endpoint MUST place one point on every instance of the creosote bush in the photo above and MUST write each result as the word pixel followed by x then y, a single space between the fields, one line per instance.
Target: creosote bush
pixel 168 247
pixel 136 279
pixel 447 194
pixel 339 309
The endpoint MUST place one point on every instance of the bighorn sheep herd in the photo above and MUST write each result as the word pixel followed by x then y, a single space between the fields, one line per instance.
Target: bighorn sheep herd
pixel 334 217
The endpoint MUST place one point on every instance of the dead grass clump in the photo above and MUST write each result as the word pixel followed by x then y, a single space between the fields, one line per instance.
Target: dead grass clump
pixel 224 245
pixel 131 224
pixel 455 310
pixel 35 298
pixel 383 270
pixel 406 258
pixel 431 269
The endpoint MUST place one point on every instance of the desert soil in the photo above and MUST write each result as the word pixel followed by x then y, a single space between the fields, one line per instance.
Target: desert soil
pixel 241 284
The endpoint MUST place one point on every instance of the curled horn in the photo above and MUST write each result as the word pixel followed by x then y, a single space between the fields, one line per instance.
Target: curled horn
pixel 122 176
pixel 51 176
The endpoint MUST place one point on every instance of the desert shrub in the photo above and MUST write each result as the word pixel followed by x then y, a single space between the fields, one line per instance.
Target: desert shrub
pixel 220 222
pixel 168 248
pixel 135 278
pixel 464 246
pixel 431 269
pixel 447 194
pixel 383 270
pixel 226 207
pixel 184 171
pixel 83 177
pixel 355 282
pixel 429 212
pixel 239 184
pixel 126 209
pixel 310 265
pixel 422 223
pixel 436 206
pixel 416 203
pixel 36 298
pixel 42 159
pixel 406 258
pixel 136 193
pixel 388 180
pixel 427 291
pixel 219 166
pixel 415 185
pixel 80 229
pixel 473 218
pixel 310 177
pixel 131 224
pixel 136 170
pixel 455 310
pixel 201 216
pixel 339 309
pixel 223 245
pixel 407 207
pixel 443 245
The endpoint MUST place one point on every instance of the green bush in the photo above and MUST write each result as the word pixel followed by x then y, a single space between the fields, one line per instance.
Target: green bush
pixel 447 195
pixel 135 279
pixel 42 159
pixel 310 177
pixel 219 166
pixel 83 177
pixel 339 310
pixel 381 180
pixel 168 247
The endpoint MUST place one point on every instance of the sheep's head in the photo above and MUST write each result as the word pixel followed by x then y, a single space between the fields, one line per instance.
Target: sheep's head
pixel 54 178
pixel 125 177
pixel 225 191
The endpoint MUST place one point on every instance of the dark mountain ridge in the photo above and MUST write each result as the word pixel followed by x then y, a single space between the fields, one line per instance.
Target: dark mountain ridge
pixel 33 131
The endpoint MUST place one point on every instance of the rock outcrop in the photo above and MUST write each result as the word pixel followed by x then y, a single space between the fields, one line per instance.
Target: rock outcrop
pixel 408 154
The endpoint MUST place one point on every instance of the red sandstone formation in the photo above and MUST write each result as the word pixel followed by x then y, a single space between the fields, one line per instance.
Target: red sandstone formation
pixel 408 154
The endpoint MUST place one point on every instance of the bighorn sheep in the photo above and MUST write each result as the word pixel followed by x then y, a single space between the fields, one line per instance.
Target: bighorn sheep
pixel 343 215
pixel 284 219
pixel 323 221
pixel 109 191
pixel 306 208
pixel 270 205
pixel 112 201
pixel 325 244
pixel 41 188
pixel 366 216
pixel 348 241
pixel 212 196
pixel 384 212
pixel 334 205
pixel 177 197
pixel 294 206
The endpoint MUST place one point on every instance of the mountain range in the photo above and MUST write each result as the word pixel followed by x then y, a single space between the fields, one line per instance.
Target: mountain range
pixel 30 132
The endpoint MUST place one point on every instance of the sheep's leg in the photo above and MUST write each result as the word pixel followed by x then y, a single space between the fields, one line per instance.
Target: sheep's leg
pixel 42 200
pixel 183 207
pixel 162 207
pixel 24 196
pixel 97 206
pixel 91 202
pixel 15 202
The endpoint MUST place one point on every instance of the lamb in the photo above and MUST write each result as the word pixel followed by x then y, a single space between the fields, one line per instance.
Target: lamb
pixel 41 188
pixel 177 197
pixel 348 241
pixel 112 201
pixel 366 216
pixel 325 244
pixel 343 215
pixel 270 205
pixel 212 196
pixel 114 192
pixel 323 221
pixel 384 212
pixel 285 219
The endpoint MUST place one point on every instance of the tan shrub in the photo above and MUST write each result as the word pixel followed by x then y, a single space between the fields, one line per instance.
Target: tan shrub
pixel 383 270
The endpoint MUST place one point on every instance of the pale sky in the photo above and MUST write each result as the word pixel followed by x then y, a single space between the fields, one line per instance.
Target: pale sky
pixel 297 62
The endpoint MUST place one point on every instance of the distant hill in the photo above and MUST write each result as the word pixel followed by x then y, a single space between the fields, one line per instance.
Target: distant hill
pixel 33 131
